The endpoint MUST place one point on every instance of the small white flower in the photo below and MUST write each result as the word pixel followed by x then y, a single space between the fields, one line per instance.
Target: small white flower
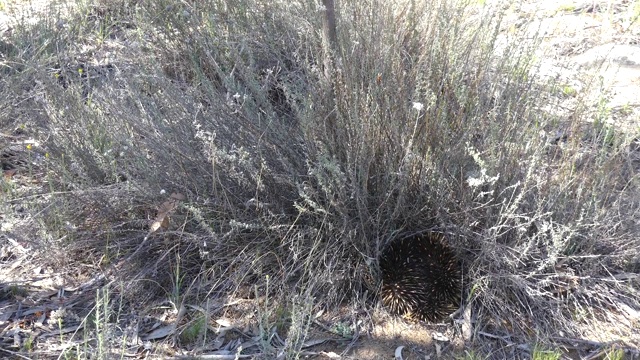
pixel 418 106
pixel 162 192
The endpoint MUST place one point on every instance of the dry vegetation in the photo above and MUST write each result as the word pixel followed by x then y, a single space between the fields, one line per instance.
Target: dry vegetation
pixel 287 183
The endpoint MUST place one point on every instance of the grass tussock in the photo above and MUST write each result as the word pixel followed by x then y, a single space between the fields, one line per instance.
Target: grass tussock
pixel 294 178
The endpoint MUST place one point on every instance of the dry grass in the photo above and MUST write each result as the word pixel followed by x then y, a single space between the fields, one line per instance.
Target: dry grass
pixel 289 200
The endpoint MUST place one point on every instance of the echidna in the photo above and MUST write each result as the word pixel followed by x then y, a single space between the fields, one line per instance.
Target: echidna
pixel 420 277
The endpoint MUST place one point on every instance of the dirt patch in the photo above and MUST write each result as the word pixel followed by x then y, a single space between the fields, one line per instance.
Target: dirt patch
pixel 592 47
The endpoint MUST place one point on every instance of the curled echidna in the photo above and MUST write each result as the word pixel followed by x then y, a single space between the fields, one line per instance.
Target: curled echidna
pixel 420 277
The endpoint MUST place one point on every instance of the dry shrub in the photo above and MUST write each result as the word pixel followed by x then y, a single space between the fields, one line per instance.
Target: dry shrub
pixel 432 128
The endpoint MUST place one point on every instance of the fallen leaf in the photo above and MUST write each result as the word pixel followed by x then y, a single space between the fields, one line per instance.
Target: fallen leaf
pixel 223 322
pixel 178 196
pixel 313 342
pixel 161 221
pixel 8 174
pixel 160 332
pixel 398 353
pixel 331 355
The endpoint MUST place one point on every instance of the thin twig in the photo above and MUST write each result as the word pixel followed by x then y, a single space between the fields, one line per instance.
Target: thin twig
pixel 15 354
